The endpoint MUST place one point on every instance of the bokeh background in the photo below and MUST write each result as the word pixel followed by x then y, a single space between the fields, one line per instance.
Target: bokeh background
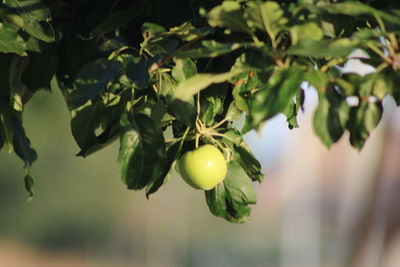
pixel 316 207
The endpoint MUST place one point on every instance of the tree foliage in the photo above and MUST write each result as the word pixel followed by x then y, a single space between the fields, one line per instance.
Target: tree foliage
pixel 161 76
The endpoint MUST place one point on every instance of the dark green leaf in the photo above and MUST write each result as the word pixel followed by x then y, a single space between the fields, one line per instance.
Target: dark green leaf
pixel 40 70
pixel 248 161
pixel 6 132
pixel 95 126
pixel 172 155
pixel 363 119
pixel 137 71
pixel 91 80
pixel 21 144
pixel 232 198
pixel 142 155
pixel 29 183
pixel 208 49
pixel 330 117
pixel 115 20
pixel 183 111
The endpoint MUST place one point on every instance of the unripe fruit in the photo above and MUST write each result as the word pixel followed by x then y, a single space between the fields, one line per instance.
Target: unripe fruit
pixel 203 168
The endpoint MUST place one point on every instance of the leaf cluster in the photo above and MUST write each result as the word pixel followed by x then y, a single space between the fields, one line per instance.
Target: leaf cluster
pixel 165 76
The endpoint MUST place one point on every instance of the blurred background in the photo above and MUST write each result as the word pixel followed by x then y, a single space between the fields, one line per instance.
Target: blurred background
pixel 316 207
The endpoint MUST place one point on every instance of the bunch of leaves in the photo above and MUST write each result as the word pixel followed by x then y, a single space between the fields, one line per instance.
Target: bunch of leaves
pixel 163 78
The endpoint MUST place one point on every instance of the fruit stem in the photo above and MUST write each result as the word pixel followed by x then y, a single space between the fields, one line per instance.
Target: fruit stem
pixel 197 139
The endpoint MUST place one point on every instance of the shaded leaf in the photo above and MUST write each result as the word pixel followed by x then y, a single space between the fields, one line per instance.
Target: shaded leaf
pixel 94 126
pixel 208 49
pixel 6 132
pixel 363 119
pixel 172 154
pixel 91 80
pixel 29 183
pixel 183 111
pixel 115 20
pixel 21 144
pixel 330 117
pixel 142 155
pixel 137 71
pixel 232 198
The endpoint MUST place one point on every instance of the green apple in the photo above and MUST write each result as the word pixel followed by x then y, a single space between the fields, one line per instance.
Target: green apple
pixel 203 168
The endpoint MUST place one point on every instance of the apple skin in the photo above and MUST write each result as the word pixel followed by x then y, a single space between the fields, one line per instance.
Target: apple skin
pixel 203 168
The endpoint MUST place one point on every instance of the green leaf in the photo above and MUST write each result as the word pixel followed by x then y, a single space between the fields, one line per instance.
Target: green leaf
pixel 151 29
pixel 232 198
pixel 21 144
pixel 35 15
pixel 248 161
pixel 317 79
pixel 228 15
pixel 233 112
pixel 8 15
pixel 137 71
pixel 115 20
pixel 330 117
pixel 142 155
pixel 275 96
pixel 183 111
pixel 18 91
pixel 267 16
pixel 242 154
pixel 85 122
pixel 29 183
pixel 247 82
pixel 209 49
pixel 324 48
pixel 183 69
pixel 292 110
pixel 363 119
pixel 172 154
pixel 6 132
pixel 40 70
pixel 356 8
pixel 11 42
pixel 306 31
pixel 91 80
pixel 187 89
pixel 382 86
